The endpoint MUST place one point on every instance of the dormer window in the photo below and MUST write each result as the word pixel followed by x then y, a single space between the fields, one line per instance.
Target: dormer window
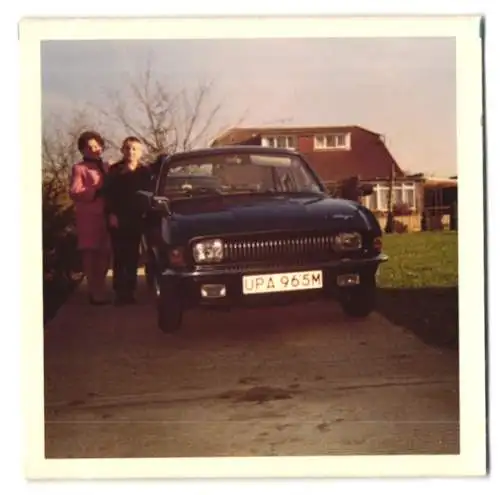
pixel 280 141
pixel 335 141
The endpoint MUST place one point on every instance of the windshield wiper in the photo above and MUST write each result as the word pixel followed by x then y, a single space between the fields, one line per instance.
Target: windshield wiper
pixel 194 191
pixel 286 193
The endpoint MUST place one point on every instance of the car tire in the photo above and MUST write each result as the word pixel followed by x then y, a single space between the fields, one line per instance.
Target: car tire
pixel 359 301
pixel 169 310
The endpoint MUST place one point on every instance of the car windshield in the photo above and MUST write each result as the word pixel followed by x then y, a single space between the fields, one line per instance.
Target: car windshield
pixel 238 173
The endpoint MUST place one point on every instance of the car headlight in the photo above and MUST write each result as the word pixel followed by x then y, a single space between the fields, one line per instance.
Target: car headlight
pixel 348 241
pixel 210 251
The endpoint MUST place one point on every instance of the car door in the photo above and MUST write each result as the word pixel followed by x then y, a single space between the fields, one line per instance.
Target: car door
pixel 151 237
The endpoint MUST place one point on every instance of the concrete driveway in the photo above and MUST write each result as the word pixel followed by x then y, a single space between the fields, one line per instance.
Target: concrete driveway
pixel 296 380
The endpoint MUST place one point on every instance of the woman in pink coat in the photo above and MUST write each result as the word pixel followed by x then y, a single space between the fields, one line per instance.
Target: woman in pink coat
pixel 91 218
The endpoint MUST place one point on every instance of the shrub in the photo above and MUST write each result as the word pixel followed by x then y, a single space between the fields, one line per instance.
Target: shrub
pixel 400 227
pixel 61 263
pixel 401 209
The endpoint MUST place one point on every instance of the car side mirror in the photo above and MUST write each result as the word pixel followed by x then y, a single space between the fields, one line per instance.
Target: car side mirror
pixel 146 198
pixel 149 201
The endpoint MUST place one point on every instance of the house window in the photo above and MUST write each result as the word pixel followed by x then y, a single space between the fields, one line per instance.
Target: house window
pixel 402 194
pixel 279 141
pixel 410 195
pixel 382 193
pixel 370 201
pixel 332 141
pixel 398 195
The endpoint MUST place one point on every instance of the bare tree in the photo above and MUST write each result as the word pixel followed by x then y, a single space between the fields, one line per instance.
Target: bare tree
pixel 165 120
pixel 59 145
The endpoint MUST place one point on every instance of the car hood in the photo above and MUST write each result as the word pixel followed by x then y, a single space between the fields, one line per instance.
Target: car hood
pixel 243 214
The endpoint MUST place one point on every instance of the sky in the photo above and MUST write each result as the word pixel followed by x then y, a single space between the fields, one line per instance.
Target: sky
pixel 402 88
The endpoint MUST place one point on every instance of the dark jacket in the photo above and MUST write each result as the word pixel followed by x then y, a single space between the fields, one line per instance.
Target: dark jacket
pixel 121 195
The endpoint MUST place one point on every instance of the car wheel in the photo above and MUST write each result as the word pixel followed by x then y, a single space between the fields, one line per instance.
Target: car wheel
pixel 359 301
pixel 169 310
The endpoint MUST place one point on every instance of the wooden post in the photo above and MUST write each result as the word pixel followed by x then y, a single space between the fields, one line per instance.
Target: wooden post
pixel 389 226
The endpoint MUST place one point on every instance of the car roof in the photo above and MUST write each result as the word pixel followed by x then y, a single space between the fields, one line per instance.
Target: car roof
pixel 220 150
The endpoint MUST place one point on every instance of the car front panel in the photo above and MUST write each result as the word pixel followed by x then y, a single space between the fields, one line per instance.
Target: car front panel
pixel 310 254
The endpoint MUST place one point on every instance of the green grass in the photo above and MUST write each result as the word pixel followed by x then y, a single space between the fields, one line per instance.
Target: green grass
pixel 419 285
pixel 420 260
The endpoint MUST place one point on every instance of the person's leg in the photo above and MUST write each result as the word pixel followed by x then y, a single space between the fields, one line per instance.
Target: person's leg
pixel 135 245
pixel 102 267
pixel 93 268
pixel 131 262
pixel 115 264
pixel 119 242
pixel 88 272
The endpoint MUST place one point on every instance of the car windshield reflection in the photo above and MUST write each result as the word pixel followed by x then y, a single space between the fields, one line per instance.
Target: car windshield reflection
pixel 242 173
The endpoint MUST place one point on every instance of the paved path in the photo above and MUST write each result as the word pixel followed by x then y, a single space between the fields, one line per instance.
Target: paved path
pixel 299 380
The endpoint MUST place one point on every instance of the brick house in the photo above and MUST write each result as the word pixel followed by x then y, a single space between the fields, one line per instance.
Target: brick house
pixel 337 153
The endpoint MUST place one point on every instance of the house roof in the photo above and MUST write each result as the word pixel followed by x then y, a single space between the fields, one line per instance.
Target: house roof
pixel 370 162
pixel 238 134
pixel 440 182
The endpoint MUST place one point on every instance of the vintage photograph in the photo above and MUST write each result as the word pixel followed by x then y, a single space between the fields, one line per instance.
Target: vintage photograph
pixel 251 246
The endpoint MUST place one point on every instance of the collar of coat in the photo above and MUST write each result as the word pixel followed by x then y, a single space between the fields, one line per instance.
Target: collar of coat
pixel 121 166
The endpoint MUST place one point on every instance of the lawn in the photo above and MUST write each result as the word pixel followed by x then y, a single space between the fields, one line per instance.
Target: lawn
pixel 419 285
pixel 420 260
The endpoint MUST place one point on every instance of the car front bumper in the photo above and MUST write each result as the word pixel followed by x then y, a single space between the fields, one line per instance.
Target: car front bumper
pixel 203 286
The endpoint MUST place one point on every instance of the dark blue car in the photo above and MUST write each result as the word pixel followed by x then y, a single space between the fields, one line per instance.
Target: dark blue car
pixel 253 225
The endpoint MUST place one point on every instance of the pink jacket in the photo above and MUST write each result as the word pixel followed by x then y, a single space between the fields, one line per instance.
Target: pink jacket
pixel 90 217
pixel 85 181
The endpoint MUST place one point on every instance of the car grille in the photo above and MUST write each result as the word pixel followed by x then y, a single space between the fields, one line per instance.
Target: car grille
pixel 283 249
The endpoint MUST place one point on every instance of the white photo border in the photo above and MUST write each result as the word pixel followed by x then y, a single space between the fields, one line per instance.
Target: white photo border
pixel 467 32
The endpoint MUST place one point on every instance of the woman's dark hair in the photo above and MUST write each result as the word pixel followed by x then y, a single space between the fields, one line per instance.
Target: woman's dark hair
pixel 86 136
